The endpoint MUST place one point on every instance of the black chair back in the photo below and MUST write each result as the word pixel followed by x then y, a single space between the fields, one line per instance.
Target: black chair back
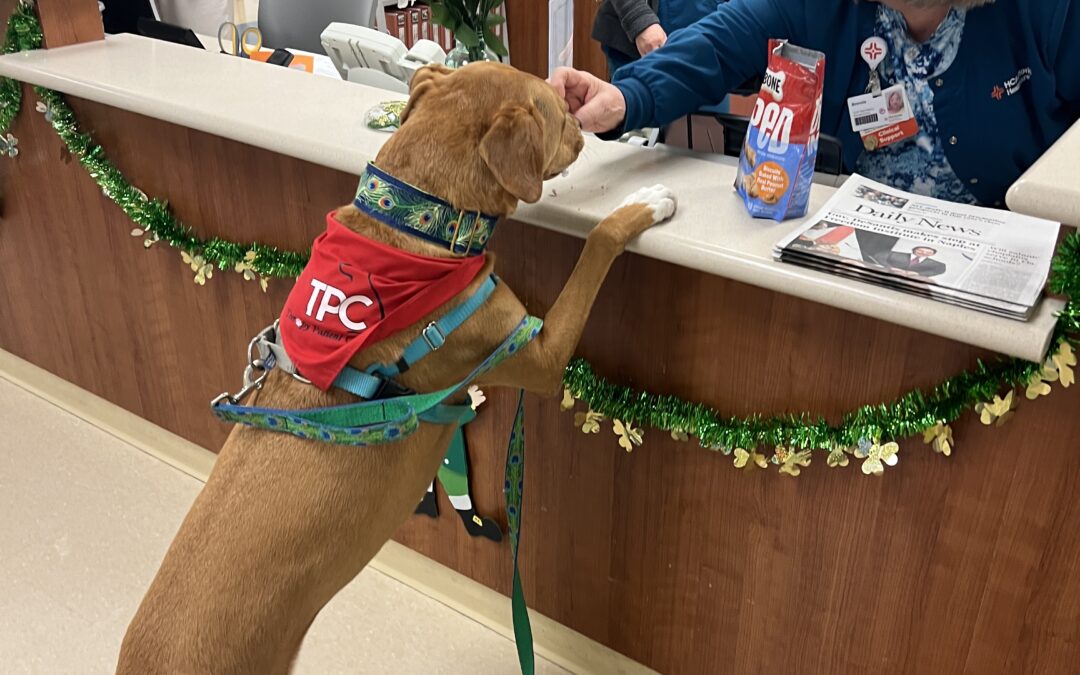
pixel 830 157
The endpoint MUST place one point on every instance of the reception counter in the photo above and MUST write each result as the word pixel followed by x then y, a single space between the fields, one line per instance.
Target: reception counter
pixel 667 554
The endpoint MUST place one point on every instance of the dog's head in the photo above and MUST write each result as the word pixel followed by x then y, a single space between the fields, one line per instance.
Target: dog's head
pixel 514 124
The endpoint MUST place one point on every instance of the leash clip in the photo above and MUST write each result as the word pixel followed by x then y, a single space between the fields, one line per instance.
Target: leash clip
pixel 252 382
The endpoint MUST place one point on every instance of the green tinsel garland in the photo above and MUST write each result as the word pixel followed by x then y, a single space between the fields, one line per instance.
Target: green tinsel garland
pixel 152 215
pixel 23 33
pixel 910 415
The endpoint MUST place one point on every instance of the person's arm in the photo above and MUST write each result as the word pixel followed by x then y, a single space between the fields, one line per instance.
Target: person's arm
pixel 635 16
pixel 700 64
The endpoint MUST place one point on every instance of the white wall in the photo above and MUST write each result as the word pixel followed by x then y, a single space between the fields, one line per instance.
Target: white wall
pixel 560 34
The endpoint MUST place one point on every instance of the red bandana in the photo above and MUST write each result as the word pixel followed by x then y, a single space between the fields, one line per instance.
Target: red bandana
pixel 355 292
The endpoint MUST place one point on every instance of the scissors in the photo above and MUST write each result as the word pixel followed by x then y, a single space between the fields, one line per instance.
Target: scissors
pixel 238 42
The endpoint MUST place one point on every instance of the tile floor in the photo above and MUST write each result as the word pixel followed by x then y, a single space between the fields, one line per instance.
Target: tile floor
pixel 84 521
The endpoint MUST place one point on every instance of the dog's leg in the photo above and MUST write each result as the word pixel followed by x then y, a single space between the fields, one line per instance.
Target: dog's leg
pixel 280 527
pixel 539 367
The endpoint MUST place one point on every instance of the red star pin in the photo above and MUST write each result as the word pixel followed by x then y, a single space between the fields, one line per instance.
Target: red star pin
pixel 997 92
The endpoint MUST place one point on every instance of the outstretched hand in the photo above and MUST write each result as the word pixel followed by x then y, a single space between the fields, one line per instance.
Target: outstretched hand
pixel 597 104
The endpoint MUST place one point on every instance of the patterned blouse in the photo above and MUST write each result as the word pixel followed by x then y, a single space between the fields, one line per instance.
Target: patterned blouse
pixel 918 164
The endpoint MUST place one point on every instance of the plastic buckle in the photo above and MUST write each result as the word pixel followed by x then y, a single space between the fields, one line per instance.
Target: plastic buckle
pixel 433 336
pixel 390 389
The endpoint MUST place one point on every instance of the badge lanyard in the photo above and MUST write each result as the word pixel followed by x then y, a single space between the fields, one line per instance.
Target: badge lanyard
pixel 881 117
pixel 873 51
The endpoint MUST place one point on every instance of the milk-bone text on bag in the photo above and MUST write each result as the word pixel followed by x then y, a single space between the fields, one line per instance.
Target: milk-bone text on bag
pixel 777 163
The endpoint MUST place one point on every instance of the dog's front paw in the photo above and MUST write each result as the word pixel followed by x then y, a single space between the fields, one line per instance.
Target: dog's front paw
pixel 658 199
pixel 637 213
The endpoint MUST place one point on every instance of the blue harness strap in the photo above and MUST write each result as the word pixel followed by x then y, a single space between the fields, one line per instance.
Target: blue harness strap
pixel 371 382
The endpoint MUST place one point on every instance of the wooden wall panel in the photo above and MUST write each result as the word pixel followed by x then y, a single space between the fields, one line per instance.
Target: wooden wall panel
pixel 140 332
pixel 587 52
pixel 667 554
pixel 527 21
pixel 69 22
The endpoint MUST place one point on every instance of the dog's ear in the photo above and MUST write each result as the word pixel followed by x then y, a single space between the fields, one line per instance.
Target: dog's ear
pixel 513 149
pixel 424 80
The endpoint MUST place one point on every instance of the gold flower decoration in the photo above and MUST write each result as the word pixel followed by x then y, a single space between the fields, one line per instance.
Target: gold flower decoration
pixel 629 437
pixel 997 411
pixel 247 268
pixel 1064 361
pixel 1038 387
pixel 791 462
pixel 680 436
pixel 567 400
pixel 45 109
pixel 151 237
pixel 9 145
pixel 202 269
pixel 588 421
pixel 940 438
pixel 749 459
pixel 1040 384
pixel 838 457
pixel 877 457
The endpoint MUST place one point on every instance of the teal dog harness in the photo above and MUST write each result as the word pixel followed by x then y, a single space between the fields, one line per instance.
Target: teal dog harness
pixel 370 422
pixel 389 411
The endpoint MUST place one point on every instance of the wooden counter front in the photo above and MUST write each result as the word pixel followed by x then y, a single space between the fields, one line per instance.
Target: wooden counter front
pixel 667 554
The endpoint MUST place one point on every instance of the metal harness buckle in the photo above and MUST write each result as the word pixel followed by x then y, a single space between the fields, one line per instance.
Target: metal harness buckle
pixel 433 336
pixel 455 242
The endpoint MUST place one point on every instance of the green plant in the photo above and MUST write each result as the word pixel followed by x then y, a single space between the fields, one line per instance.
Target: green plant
pixel 472 22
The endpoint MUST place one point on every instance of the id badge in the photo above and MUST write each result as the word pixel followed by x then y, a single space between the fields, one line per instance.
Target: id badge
pixel 883 118
pixel 873 111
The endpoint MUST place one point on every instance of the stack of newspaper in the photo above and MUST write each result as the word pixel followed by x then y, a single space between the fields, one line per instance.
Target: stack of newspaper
pixel 984 259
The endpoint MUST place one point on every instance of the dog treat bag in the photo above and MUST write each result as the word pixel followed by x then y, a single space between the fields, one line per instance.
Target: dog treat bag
pixel 777 163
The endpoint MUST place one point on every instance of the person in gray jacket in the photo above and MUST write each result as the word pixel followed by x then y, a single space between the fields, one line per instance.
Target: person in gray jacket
pixel 630 29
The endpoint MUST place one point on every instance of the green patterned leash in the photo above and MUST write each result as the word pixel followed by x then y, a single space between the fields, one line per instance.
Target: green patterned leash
pixel 515 474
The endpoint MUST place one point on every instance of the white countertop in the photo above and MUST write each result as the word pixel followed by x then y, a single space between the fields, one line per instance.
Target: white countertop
pixel 1051 187
pixel 320 120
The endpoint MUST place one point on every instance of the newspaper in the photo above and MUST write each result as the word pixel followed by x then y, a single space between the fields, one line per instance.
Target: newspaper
pixel 986 259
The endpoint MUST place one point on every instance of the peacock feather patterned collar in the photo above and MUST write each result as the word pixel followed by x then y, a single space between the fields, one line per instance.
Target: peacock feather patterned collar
pixel 411 210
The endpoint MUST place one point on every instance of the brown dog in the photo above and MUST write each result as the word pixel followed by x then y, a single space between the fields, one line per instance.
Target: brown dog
pixel 284 523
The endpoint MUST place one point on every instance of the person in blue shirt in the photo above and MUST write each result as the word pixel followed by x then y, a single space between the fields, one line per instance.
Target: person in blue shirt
pixel 992 85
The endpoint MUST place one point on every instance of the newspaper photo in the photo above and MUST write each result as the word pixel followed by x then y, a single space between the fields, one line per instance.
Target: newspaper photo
pixel 985 259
